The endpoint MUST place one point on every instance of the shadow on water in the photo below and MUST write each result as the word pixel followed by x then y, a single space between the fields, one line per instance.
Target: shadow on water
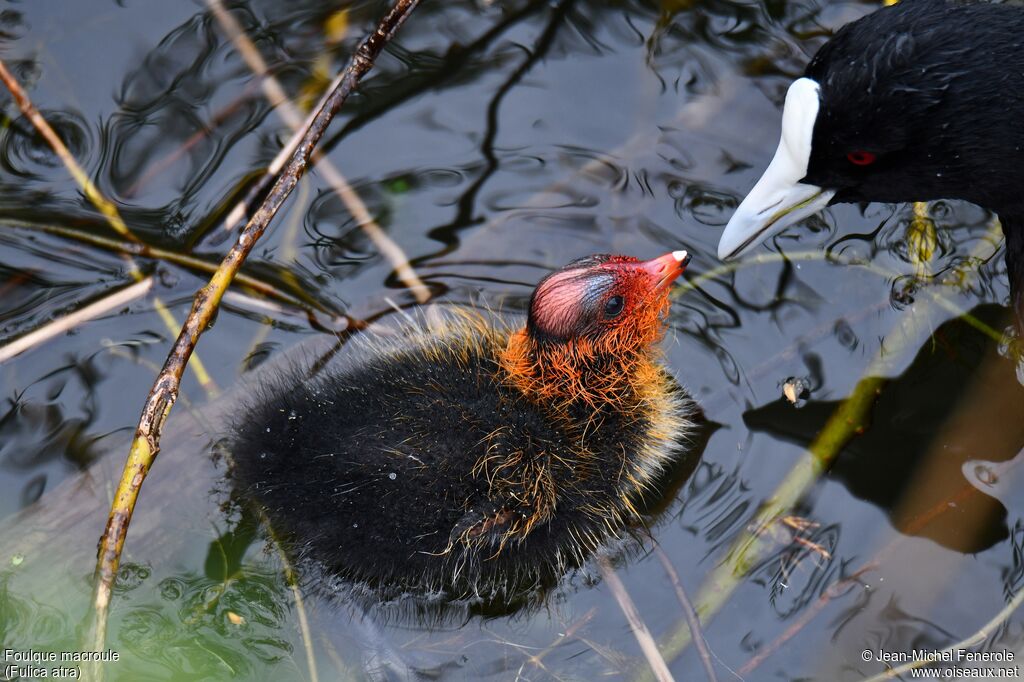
pixel 956 412
pixel 493 142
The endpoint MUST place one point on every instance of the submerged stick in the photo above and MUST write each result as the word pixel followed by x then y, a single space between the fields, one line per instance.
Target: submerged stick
pixel 292 117
pixel 974 640
pixel 108 303
pixel 537 659
pixel 146 443
pixel 636 623
pixel 306 304
pixel 692 620
pixel 64 154
pixel 833 591
pixel 106 207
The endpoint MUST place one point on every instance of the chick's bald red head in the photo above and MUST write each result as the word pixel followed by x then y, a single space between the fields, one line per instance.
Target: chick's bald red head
pixel 604 298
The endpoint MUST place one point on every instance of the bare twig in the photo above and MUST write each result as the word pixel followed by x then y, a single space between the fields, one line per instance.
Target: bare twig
pixel 99 201
pixel 304 630
pixel 32 114
pixel 292 117
pixel 162 164
pixel 636 623
pixel 833 591
pixel 537 659
pixel 276 312
pixel 292 580
pixel 146 443
pixel 143 250
pixel 692 620
pixel 111 301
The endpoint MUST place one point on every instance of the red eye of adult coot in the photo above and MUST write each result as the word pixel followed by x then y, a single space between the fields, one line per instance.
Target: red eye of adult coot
pixel 861 158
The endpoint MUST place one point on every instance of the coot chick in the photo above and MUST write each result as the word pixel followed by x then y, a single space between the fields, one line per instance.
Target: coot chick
pixel 482 459
pixel 918 101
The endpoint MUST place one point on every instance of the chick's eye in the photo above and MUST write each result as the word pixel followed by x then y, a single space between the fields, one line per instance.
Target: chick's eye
pixel 613 306
pixel 861 158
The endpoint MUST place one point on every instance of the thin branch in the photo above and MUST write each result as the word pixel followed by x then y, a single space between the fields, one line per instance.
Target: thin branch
pixel 32 114
pixel 160 165
pixel 636 623
pixel 143 250
pixel 833 591
pixel 307 634
pixel 146 443
pixel 537 659
pixel 441 72
pixel 292 117
pixel 99 201
pixel 292 580
pixel 692 620
pixel 108 303
pixel 276 312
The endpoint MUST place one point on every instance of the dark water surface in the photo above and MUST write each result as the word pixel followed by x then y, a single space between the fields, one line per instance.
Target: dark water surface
pixel 493 142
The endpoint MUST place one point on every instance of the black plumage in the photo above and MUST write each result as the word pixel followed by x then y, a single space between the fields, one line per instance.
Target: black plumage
pixel 919 101
pixel 935 90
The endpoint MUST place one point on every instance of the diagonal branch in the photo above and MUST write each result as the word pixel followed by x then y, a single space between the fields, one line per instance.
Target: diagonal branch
pixel 146 443
pixel 643 635
pixel 64 154
pixel 278 98
pixel 296 298
pixel 692 620
pixel 108 303
pixel 105 206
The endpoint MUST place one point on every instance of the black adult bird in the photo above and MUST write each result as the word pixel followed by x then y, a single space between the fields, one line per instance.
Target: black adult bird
pixel 918 101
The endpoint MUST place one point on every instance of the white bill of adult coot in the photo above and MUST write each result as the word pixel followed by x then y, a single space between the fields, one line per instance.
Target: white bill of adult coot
pixel 918 101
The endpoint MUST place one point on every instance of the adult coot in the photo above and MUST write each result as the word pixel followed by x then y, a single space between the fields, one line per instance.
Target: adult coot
pixel 481 458
pixel 918 101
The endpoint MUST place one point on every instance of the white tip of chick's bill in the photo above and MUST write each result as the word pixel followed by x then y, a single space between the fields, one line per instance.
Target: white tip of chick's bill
pixel 682 257
pixel 779 199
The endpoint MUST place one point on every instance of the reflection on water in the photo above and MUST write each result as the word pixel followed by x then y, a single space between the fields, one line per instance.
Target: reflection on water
pixel 955 403
pixel 493 142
